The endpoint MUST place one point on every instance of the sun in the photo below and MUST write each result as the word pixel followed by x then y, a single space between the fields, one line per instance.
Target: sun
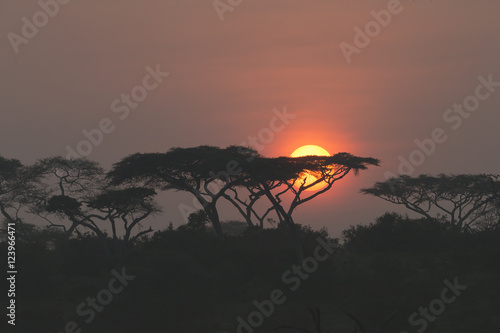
pixel 305 151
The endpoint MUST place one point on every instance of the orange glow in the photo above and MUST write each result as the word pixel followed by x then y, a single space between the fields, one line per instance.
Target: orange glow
pixel 309 178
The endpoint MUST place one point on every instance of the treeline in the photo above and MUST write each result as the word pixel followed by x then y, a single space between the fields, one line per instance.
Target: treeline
pixel 187 280
pixel 79 196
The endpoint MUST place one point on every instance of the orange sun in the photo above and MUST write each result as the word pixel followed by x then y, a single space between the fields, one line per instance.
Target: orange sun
pixel 309 178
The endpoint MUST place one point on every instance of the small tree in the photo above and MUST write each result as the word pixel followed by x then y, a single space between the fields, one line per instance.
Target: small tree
pixel 77 191
pixel 197 222
pixel 18 184
pixel 130 206
pixel 66 186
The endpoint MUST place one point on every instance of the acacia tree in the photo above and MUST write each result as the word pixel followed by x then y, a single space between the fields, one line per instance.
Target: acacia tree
pixel 10 185
pixel 68 184
pixel 63 206
pixel 18 185
pixel 283 176
pixel 211 173
pixel 462 198
pixel 130 206
pixel 77 191
pixel 261 176
pixel 277 178
pixel 490 219
pixel 206 172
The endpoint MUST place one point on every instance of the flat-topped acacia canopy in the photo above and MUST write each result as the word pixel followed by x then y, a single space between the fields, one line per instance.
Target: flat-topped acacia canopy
pixel 196 169
pixel 185 166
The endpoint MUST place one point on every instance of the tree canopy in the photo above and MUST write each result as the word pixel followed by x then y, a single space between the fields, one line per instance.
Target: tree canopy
pixel 207 172
pixel 18 187
pixel 210 173
pixel 462 198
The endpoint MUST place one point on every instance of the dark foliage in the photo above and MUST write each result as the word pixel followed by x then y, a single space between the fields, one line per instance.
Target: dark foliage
pixel 187 280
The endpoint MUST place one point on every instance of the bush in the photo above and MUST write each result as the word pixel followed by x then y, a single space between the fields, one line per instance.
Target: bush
pixel 396 233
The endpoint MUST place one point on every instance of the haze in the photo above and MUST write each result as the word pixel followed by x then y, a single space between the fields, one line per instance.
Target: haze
pixel 227 76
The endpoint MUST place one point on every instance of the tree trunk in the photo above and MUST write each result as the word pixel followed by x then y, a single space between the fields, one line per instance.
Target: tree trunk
pixel 70 231
pixel 213 215
pixel 289 223
pixel 6 214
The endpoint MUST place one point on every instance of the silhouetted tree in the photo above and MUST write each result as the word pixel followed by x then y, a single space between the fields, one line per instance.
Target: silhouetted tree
pixel 129 206
pixel 206 172
pixel 77 191
pixel 66 207
pixel 287 175
pixel 210 173
pixel 67 184
pixel 490 219
pixel 10 185
pixel 275 178
pixel 462 198
pixel 18 184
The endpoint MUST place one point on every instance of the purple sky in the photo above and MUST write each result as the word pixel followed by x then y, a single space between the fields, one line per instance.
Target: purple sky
pixel 227 76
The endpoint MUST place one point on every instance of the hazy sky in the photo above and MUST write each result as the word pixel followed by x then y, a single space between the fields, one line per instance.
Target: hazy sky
pixel 227 76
